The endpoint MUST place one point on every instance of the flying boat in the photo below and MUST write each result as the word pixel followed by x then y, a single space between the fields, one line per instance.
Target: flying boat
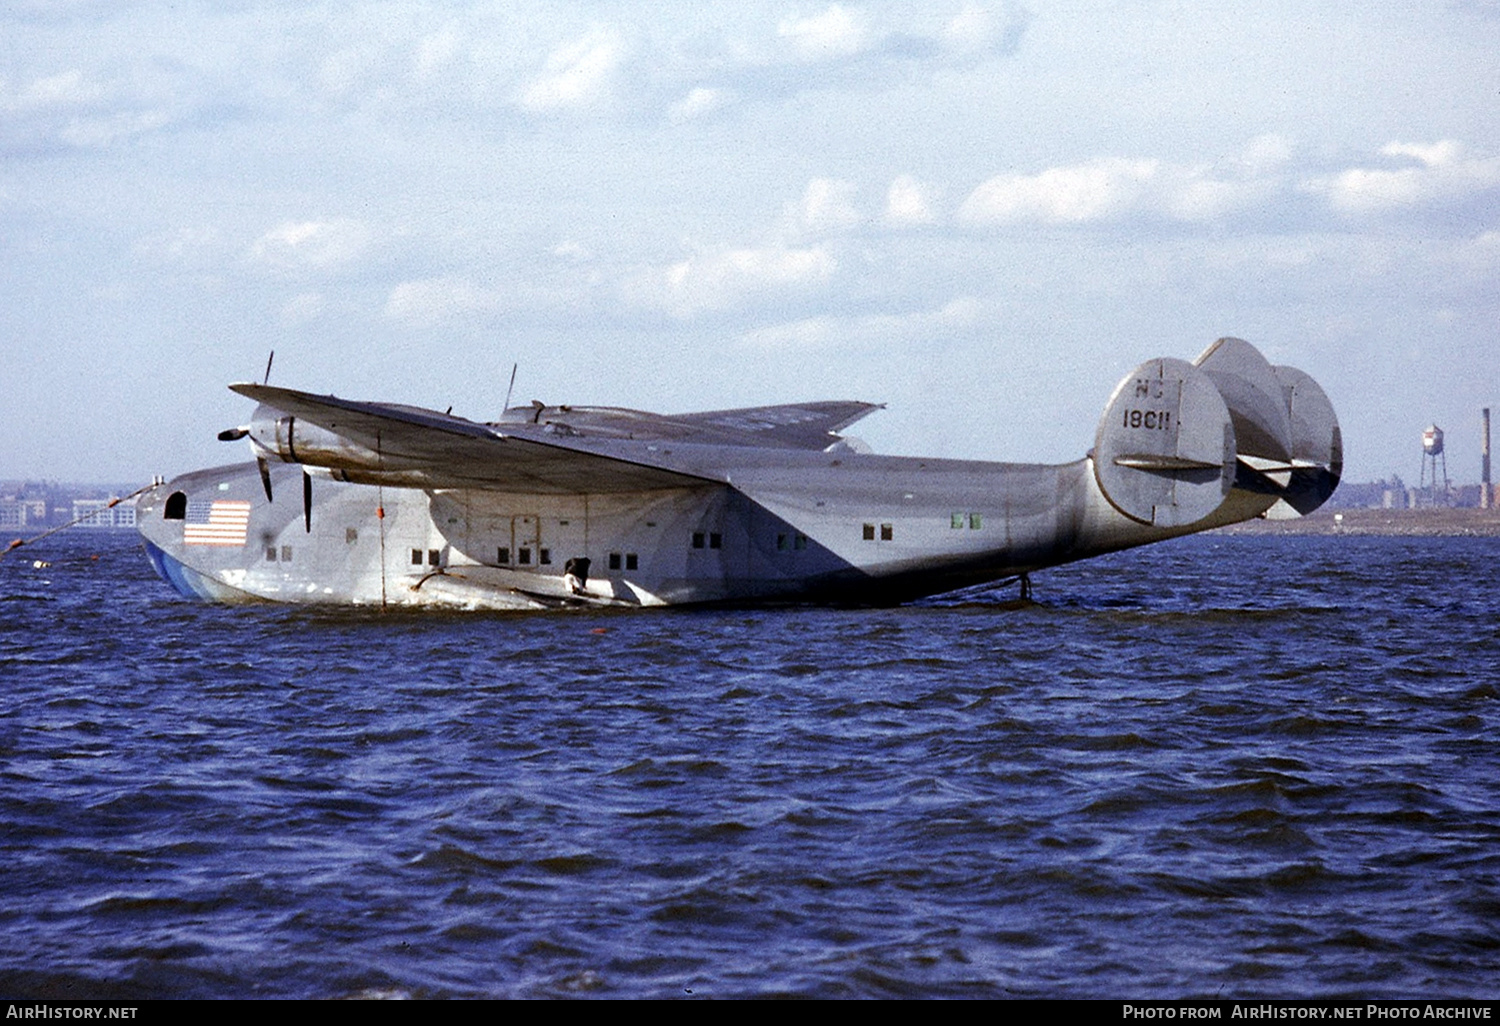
pixel 551 507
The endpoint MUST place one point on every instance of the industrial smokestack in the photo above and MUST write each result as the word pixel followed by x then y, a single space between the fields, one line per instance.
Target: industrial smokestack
pixel 1484 465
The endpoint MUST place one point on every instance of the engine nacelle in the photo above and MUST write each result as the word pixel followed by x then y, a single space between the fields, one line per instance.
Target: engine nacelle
pixel 279 436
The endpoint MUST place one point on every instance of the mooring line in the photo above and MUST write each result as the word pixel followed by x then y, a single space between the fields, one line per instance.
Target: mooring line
pixel 77 520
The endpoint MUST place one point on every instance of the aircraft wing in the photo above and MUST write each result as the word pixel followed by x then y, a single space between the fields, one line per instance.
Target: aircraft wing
pixel 793 426
pixel 372 441
pixel 797 426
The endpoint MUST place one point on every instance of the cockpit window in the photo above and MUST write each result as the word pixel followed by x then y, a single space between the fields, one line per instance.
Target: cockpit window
pixel 176 507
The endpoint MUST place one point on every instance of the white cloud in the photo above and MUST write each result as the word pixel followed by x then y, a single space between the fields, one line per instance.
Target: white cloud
pixel 970 30
pixel 719 281
pixel 1061 195
pixel 1266 153
pixel 1442 173
pixel 435 53
pixel 577 74
pixel 436 300
pixel 828 205
pixel 1433 155
pixel 698 102
pixel 1112 188
pixel 907 203
pixel 837 32
pixel 311 244
pixel 958 316
pixel 65 89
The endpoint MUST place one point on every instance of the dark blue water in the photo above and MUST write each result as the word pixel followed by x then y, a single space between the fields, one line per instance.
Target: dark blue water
pixel 1233 767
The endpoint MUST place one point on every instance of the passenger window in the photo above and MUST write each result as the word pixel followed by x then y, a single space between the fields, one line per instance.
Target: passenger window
pixel 956 521
pixel 544 557
pixel 434 556
pixel 697 539
pixel 715 540
pixel 887 532
pixel 270 553
pixel 631 562
pixel 416 557
pixel 614 561
pixel 523 557
pixel 503 556
pixel 869 531
pixel 286 553
pixel 975 522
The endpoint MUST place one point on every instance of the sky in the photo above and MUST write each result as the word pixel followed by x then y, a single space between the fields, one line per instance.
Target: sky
pixel 980 214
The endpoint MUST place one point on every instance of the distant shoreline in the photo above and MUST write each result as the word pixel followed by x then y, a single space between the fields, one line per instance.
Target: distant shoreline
pixel 1428 522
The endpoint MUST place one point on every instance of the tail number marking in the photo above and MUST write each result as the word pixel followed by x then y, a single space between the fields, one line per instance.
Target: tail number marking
pixel 1150 420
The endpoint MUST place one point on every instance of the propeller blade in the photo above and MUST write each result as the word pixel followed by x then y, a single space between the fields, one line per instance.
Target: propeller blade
pixel 265 476
pixel 307 501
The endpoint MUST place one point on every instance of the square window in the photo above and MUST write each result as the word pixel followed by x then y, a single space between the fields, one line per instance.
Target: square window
pixel 697 539
pixel 416 557
pixel 715 540
pixel 503 556
pixel 781 543
pixel 887 532
pixel 799 542
pixel 975 521
pixel 270 553
pixel 286 553
pixel 544 557
pixel 351 535
pixel 956 521
pixel 869 532
pixel 631 561
pixel 434 556
pixel 614 561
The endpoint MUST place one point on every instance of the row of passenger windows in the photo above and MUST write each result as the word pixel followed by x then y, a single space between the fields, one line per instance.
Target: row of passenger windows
pixel 523 556
pixel 796 542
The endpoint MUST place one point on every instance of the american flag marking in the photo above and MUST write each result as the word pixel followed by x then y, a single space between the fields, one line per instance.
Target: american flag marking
pixel 221 522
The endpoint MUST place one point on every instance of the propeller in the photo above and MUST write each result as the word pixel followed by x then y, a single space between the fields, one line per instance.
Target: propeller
pixel 265 476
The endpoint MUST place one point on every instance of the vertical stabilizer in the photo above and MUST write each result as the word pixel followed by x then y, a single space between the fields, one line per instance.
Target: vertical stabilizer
pixel 1164 453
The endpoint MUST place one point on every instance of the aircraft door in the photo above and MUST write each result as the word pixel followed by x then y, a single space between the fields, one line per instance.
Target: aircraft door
pixel 525 541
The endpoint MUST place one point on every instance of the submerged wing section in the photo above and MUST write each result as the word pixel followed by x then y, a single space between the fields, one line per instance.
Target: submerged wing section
pixel 378 442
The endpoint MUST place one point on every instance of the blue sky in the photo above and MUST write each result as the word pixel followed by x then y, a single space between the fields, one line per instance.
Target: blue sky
pixel 982 215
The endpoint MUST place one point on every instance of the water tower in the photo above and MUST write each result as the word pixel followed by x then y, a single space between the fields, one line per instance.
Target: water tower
pixel 1432 454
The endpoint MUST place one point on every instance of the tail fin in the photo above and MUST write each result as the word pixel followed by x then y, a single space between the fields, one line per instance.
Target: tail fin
pixel 1177 437
pixel 1164 453
pixel 1290 445
pixel 1317 447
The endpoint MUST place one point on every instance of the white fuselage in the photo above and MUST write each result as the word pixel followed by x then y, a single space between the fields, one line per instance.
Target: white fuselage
pixel 783 526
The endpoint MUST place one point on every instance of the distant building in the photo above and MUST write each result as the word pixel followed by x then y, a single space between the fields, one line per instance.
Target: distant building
pixel 12 514
pixel 97 514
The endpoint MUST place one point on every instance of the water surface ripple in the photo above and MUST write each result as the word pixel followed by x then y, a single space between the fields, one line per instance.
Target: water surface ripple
pixel 1223 767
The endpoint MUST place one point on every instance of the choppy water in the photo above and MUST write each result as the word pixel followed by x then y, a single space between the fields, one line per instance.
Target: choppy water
pixel 1227 767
